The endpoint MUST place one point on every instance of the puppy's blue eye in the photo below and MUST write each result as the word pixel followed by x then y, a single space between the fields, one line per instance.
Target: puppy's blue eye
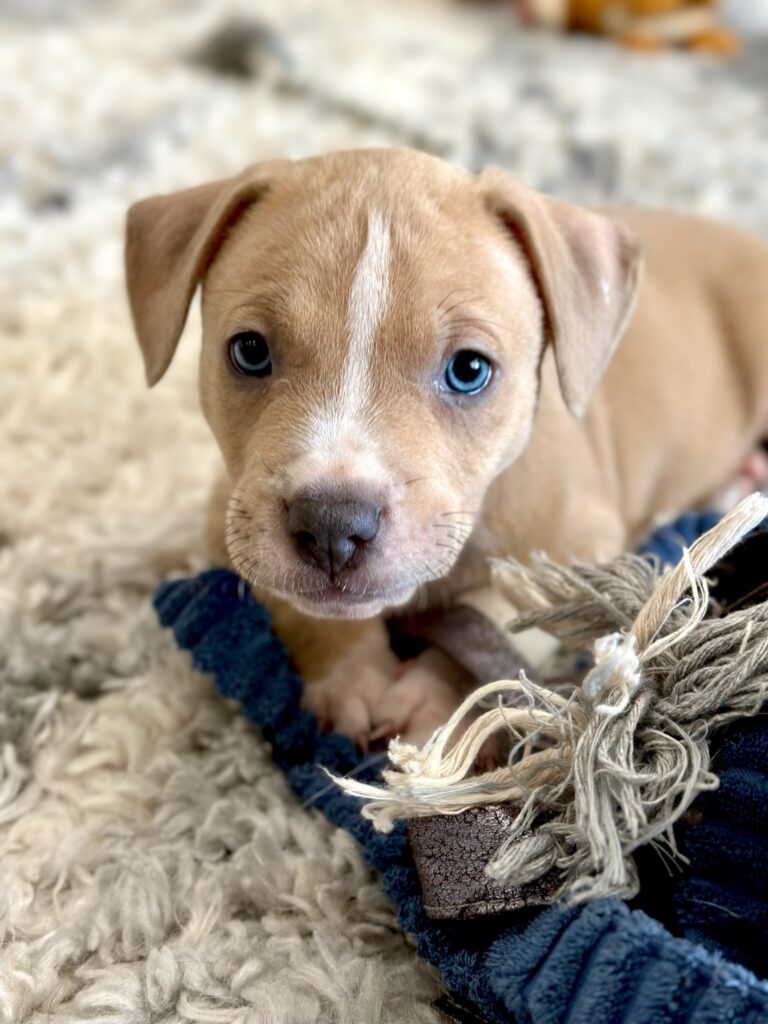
pixel 467 372
pixel 249 353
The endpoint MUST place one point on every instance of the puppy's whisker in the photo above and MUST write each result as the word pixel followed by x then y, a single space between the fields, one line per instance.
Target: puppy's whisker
pixel 236 551
pixel 459 537
pixel 236 521
pixel 238 542
pixel 447 297
pixel 444 542
pixel 235 539
pixel 270 469
pixel 234 536
pixel 244 527
pixel 238 531
pixel 237 502
pixel 468 301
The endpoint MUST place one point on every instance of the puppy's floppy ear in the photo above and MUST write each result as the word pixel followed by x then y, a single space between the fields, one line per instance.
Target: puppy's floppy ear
pixel 170 240
pixel 585 267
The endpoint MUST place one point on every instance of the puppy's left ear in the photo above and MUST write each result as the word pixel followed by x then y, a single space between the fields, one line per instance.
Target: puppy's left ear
pixel 170 241
pixel 585 267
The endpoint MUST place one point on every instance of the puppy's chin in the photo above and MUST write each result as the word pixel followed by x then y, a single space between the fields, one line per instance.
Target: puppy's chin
pixel 338 604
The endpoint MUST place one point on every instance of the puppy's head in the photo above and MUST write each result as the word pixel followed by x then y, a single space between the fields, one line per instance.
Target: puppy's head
pixel 373 327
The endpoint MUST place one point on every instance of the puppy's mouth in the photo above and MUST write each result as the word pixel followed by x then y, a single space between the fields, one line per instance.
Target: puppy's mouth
pixel 348 574
pixel 348 595
pixel 338 602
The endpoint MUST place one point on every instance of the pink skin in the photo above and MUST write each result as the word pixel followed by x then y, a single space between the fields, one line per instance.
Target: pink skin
pixel 751 476
pixel 755 469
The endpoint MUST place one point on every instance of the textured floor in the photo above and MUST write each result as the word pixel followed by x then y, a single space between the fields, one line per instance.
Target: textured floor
pixel 153 866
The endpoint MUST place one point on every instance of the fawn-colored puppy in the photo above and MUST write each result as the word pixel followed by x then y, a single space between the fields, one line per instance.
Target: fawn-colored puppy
pixel 409 368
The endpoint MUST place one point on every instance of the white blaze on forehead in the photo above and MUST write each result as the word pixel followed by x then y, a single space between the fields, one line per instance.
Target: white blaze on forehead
pixel 337 441
pixel 368 300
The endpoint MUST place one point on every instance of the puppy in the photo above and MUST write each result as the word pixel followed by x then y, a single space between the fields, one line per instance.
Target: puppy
pixel 409 369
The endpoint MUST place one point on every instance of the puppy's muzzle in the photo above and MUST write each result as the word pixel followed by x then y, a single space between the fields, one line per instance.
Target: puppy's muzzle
pixel 330 533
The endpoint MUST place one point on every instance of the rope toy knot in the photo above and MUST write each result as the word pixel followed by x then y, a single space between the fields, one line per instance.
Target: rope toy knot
pixel 617 667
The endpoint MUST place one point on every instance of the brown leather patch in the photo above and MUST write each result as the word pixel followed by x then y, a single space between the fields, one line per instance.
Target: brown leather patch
pixel 451 852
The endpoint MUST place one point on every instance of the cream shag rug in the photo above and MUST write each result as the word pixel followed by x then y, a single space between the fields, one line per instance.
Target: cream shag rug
pixel 153 864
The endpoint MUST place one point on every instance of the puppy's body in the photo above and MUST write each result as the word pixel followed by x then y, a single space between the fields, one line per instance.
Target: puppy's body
pixel 610 402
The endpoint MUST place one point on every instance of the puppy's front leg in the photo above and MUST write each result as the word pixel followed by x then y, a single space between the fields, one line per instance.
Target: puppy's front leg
pixel 355 685
pixel 426 694
pixel 347 666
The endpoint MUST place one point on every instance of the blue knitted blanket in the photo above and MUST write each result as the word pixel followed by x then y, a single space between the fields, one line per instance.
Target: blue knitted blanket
pixel 599 963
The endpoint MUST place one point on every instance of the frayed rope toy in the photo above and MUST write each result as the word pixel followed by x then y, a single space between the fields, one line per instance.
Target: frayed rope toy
pixel 615 764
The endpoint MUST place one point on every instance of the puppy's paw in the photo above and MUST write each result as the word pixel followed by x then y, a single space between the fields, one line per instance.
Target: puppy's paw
pixel 372 697
pixel 752 475
pixel 425 696
pixel 345 699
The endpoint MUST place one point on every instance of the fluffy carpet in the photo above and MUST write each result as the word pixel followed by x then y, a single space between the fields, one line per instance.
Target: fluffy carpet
pixel 153 864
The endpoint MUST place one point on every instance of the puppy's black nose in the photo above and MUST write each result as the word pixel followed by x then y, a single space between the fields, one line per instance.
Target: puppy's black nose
pixel 329 533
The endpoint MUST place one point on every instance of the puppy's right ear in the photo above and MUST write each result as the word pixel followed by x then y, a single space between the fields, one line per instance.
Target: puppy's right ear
pixel 170 241
pixel 585 267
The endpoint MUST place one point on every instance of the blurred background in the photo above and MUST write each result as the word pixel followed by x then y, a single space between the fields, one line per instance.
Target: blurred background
pixel 104 101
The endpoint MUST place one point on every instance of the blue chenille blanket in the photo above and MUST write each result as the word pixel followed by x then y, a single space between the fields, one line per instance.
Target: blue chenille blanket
pixel 692 948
